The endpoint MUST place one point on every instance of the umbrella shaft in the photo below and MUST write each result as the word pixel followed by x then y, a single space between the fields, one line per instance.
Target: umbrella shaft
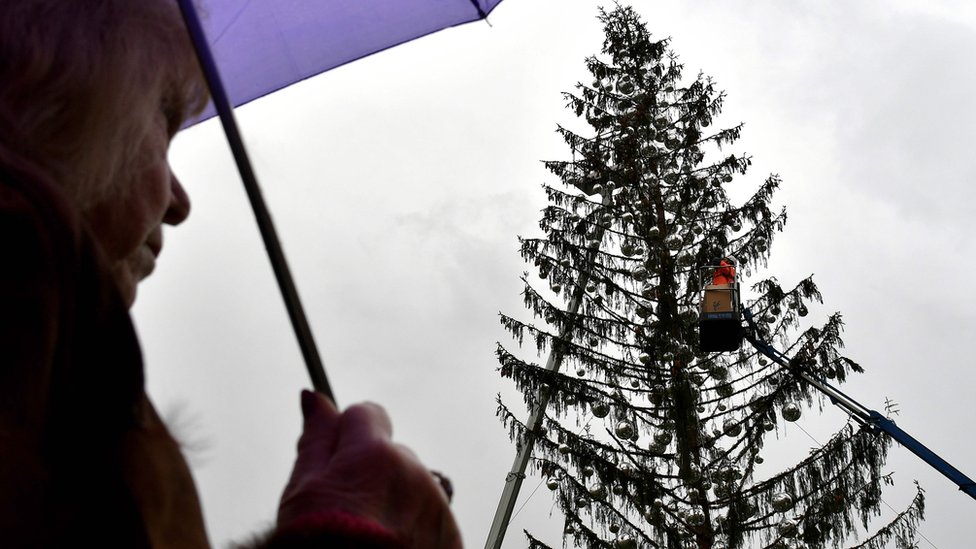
pixel 286 284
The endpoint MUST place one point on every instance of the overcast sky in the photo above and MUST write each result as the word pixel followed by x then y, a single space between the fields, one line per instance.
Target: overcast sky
pixel 399 183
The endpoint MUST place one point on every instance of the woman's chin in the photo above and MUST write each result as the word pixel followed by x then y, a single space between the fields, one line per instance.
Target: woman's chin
pixel 127 282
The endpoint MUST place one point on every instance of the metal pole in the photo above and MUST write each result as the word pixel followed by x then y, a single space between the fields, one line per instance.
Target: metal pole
pixel 513 481
pixel 316 370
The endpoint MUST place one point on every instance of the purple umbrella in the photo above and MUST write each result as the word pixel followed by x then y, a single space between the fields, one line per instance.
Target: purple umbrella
pixel 265 45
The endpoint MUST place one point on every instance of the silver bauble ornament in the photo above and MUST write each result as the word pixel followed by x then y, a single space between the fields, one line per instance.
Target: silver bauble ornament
pixel 625 430
pixel 782 503
pixel 625 543
pixel 791 412
pixel 552 484
pixel 598 491
pixel 601 409
pixel 719 373
pixel 731 427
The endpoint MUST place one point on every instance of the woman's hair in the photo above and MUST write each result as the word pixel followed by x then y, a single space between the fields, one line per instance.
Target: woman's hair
pixel 77 78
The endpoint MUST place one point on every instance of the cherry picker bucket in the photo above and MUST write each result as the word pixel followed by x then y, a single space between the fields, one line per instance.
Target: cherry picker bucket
pixel 720 314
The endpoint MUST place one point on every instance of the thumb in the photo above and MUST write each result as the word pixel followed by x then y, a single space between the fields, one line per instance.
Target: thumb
pixel 320 429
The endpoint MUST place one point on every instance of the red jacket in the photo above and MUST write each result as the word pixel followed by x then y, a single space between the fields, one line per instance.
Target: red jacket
pixel 725 274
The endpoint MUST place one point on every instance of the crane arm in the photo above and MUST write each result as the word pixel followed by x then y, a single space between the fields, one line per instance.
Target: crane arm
pixel 859 412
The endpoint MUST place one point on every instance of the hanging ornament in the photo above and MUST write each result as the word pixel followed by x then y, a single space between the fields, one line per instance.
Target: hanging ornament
pixel 639 274
pixel 782 503
pixel 552 484
pixel 791 412
pixel 614 528
pixel 663 438
pixel 696 518
pixel 601 409
pixel 627 249
pixel 598 491
pixel 802 310
pixel 787 529
pixel 581 372
pixel 719 372
pixel 644 358
pixel 593 341
pixel 634 383
pixel 625 543
pixel 731 427
pixel 591 288
pixel 563 449
pixel 758 459
pixel 624 430
pixel 582 502
pixel 556 288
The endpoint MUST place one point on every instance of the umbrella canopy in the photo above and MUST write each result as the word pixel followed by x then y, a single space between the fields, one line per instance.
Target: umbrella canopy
pixel 266 45
pixel 261 46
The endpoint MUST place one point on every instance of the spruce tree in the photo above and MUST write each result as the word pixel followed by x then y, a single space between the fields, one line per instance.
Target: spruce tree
pixel 645 440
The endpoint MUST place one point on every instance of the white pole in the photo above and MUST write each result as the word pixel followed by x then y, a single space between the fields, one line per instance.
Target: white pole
pixel 513 481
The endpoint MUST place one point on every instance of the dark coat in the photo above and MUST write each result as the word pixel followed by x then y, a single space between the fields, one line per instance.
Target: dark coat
pixel 83 454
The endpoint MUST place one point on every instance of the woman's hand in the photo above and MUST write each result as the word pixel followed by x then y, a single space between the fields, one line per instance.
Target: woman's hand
pixel 348 464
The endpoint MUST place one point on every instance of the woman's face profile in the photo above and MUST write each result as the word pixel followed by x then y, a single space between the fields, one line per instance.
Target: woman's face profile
pixel 128 224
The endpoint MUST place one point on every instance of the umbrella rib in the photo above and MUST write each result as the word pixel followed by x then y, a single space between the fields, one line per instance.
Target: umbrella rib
pixel 286 284
pixel 232 21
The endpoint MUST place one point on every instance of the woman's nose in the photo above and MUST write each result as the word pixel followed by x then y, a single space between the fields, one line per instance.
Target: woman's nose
pixel 179 203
